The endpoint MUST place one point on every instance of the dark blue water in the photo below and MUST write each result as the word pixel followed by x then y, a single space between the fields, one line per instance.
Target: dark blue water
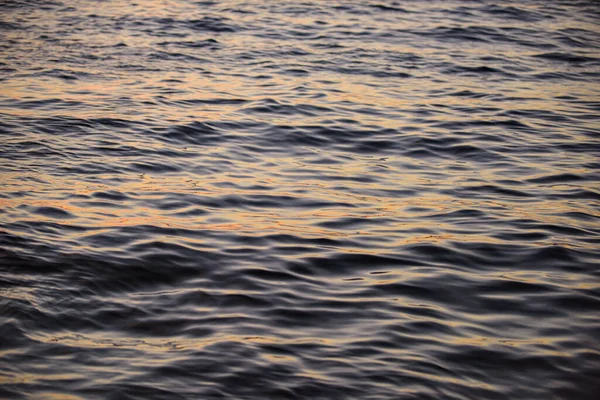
pixel 299 199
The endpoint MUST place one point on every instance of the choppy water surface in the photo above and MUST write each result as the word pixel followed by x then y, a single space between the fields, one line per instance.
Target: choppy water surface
pixel 300 199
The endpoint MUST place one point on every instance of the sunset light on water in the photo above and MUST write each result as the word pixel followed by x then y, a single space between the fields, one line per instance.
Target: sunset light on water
pixel 299 200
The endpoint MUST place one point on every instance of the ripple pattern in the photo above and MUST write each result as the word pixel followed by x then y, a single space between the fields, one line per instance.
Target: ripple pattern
pixel 299 200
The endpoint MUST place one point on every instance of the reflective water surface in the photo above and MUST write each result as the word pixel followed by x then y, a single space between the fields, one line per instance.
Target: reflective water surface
pixel 300 199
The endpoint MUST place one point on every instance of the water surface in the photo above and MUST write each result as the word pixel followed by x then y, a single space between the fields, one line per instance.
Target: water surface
pixel 300 199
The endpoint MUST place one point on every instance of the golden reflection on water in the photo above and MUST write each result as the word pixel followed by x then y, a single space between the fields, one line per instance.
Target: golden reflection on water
pixel 405 214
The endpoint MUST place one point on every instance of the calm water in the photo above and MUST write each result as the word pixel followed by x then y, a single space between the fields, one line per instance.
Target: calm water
pixel 299 199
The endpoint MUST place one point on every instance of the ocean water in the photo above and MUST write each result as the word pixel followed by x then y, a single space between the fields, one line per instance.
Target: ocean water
pixel 299 199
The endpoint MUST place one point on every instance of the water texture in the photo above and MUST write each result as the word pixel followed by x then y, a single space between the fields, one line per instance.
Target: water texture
pixel 299 199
